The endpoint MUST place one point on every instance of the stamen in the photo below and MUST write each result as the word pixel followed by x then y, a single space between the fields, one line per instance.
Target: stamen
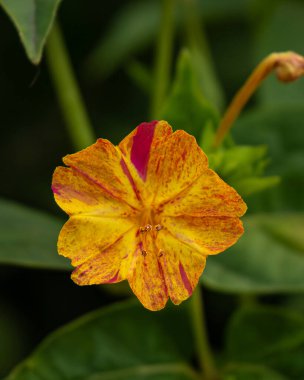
pixel 148 227
pixel 144 253
pixel 160 253
pixel 158 227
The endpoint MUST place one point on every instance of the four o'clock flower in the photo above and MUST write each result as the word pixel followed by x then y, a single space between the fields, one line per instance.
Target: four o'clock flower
pixel 148 211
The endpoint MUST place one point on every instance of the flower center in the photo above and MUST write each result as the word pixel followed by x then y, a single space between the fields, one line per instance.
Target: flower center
pixel 148 229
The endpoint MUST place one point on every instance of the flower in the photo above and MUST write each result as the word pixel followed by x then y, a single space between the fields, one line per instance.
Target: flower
pixel 149 211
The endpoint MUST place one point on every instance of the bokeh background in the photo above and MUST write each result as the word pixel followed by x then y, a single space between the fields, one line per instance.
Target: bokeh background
pixel 112 48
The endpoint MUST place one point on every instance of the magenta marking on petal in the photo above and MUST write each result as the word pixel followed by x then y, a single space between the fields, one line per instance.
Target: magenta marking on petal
pixel 140 151
pixel 185 279
pixel 56 189
pixel 68 193
pixel 131 180
pixel 160 268
pixel 93 180
pixel 113 279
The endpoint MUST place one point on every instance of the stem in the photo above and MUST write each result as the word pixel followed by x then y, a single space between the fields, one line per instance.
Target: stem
pixel 68 93
pixel 289 66
pixel 202 58
pixel 205 356
pixel 163 58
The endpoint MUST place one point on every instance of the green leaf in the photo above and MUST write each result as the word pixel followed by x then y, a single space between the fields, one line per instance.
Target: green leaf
pixel 29 238
pixel 282 129
pixel 200 53
pixel 242 167
pixel 274 37
pixel 251 372
pixel 274 337
pixel 238 162
pixel 33 20
pixel 268 258
pixel 186 108
pixel 124 341
pixel 252 185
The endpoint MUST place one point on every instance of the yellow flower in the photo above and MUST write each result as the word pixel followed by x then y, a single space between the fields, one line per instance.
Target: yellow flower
pixel 148 211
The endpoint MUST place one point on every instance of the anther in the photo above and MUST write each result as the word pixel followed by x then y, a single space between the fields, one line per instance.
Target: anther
pixel 148 227
pixel 160 253
pixel 144 253
pixel 158 227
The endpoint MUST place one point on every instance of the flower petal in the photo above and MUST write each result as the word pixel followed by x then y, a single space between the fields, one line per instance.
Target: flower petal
pixel 137 145
pixel 102 164
pixel 76 194
pixel 207 235
pixel 83 237
pixel 175 163
pixel 146 277
pixel 111 265
pixel 208 196
pixel 182 266
pixel 172 161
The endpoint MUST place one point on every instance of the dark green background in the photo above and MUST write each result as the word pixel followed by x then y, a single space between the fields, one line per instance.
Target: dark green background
pixel 33 140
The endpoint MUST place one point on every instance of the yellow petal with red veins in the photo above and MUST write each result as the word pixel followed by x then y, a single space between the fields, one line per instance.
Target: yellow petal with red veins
pixel 146 277
pixel 76 194
pixel 209 195
pixel 166 162
pixel 175 163
pixel 207 235
pixel 110 265
pixel 83 237
pixel 102 164
pixel 182 266
pixel 153 177
pixel 137 146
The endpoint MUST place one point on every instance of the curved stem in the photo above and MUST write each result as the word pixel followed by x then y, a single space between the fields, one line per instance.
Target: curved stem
pixel 163 58
pixel 68 93
pixel 289 66
pixel 205 356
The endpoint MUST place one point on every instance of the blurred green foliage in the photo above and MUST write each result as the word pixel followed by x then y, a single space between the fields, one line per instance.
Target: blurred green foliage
pixel 269 257
pixel 27 237
pixel 186 107
pixel 112 49
pixel 274 337
pixel 108 348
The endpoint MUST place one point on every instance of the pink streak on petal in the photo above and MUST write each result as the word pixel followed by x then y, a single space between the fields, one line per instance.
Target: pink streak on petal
pixel 185 279
pixel 66 192
pixel 56 189
pixel 160 268
pixel 140 151
pixel 85 175
pixel 131 180
pixel 113 279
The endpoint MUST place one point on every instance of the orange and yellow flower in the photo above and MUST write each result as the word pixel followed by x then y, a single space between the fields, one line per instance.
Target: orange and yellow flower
pixel 148 211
